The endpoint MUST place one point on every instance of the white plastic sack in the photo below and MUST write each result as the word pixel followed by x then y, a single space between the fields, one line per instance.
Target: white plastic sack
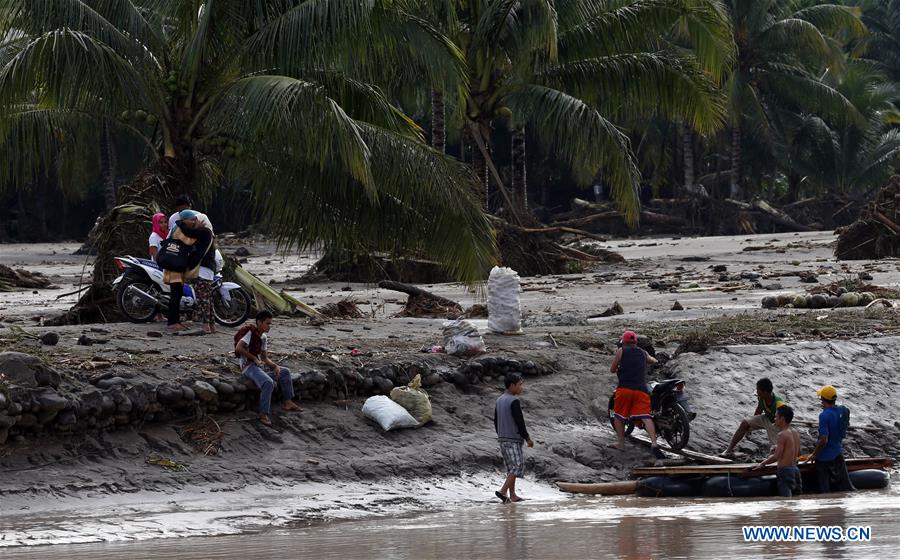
pixel 387 414
pixel 504 312
pixel 461 338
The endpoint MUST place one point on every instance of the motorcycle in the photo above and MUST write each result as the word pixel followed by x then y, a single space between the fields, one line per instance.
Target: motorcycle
pixel 141 294
pixel 670 410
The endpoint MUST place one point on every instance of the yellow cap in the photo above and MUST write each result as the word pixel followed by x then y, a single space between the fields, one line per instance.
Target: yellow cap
pixel 827 392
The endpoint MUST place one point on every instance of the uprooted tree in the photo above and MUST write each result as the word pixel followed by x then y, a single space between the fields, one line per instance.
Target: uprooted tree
pixel 876 234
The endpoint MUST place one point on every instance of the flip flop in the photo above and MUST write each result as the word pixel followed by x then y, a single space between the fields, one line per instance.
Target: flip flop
pixel 503 498
pixel 614 446
pixel 517 500
pixel 264 421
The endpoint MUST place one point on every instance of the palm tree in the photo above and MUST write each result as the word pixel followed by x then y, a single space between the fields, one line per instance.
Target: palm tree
pixel 841 157
pixel 781 53
pixel 284 93
pixel 568 72
pixel 882 43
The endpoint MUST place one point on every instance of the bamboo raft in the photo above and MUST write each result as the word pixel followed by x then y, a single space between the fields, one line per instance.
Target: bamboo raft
pixel 744 469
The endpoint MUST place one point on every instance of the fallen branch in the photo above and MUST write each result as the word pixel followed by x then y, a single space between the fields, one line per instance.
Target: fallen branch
pixel 563 229
pixel 411 290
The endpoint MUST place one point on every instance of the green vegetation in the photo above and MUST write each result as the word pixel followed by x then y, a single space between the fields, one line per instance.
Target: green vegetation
pixel 317 113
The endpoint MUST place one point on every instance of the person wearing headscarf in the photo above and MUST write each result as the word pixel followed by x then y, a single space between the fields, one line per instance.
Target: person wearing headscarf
pixel 201 264
pixel 160 232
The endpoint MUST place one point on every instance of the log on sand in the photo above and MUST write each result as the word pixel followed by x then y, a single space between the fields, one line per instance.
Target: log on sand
pixel 602 488
pixel 413 291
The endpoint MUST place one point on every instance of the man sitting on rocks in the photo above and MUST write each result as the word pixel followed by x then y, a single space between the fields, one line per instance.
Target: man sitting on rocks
pixel 251 345
pixel 786 451
pixel 763 418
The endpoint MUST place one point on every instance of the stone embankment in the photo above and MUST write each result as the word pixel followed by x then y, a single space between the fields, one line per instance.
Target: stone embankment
pixel 36 398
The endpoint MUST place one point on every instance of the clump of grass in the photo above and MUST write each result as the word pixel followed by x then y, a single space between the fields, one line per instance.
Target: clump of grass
pixel 694 341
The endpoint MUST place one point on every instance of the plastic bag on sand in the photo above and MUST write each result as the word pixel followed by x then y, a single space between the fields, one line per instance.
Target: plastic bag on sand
pixel 414 399
pixel 461 338
pixel 504 312
pixel 387 414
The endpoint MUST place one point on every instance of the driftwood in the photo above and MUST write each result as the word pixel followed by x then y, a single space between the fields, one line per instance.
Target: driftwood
pixel 646 216
pixel 10 279
pixel 563 229
pixel 413 291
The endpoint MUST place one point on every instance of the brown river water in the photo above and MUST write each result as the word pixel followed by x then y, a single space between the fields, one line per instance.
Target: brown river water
pixel 555 527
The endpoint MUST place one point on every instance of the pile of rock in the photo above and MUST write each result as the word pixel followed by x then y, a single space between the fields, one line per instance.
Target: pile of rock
pixel 491 369
pixel 35 398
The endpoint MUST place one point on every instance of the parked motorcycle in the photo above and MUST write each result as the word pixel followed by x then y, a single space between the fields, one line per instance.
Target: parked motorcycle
pixel 671 412
pixel 141 294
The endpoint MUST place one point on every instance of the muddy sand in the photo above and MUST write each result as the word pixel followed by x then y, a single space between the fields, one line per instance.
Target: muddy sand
pixel 124 397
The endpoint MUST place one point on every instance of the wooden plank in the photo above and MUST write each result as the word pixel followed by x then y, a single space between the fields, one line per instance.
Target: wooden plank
pixel 603 488
pixel 695 455
pixel 743 469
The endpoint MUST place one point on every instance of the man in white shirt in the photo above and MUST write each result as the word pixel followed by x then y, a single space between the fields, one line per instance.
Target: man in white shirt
pixel 183 202
pixel 251 345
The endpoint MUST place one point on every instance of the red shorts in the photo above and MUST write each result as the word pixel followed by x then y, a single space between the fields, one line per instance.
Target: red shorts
pixel 631 404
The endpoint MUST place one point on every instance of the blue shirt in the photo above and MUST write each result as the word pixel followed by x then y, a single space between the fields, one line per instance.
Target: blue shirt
pixel 830 427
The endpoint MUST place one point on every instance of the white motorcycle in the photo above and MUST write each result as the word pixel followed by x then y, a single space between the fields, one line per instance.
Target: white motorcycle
pixel 141 294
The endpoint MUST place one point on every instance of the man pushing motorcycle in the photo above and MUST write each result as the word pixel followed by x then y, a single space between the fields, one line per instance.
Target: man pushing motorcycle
pixel 632 399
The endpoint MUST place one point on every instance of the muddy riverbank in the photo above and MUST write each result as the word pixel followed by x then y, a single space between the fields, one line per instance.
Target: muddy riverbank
pixel 45 469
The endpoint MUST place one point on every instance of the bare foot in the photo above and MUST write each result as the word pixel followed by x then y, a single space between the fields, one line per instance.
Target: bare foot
pixel 264 420
pixel 291 406
pixel 176 327
pixel 515 499
pixel 616 446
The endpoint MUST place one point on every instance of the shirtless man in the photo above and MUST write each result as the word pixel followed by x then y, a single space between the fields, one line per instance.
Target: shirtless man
pixel 786 449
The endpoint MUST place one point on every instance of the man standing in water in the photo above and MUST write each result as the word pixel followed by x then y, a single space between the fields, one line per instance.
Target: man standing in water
pixel 831 470
pixel 786 450
pixel 511 433
pixel 632 400
pixel 763 418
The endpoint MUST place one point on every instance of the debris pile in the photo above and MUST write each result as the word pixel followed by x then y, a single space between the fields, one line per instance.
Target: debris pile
pixel 876 234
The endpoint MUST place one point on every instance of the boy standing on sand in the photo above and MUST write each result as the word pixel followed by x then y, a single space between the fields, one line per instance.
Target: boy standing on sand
pixel 511 433
pixel 787 448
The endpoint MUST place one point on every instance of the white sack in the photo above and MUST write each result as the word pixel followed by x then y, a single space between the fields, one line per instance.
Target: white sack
pixel 387 414
pixel 504 311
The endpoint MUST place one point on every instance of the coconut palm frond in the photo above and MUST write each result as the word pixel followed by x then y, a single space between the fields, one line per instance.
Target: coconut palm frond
pixel 582 137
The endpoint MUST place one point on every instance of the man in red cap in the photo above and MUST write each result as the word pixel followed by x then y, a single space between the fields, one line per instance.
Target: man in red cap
pixel 632 400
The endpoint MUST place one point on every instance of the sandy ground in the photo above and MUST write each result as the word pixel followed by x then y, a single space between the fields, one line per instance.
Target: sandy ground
pixel 331 443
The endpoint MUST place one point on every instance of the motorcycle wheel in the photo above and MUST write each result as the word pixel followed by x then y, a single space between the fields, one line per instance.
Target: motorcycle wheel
pixel 629 425
pixel 233 313
pixel 680 432
pixel 133 307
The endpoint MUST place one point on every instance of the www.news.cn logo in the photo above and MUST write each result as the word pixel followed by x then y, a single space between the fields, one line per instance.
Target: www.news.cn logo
pixel 806 533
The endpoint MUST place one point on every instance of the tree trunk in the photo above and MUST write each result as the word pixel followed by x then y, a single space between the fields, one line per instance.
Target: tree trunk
pixel 687 145
pixel 438 123
pixel 108 166
pixel 479 167
pixel 519 175
pixel 735 182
